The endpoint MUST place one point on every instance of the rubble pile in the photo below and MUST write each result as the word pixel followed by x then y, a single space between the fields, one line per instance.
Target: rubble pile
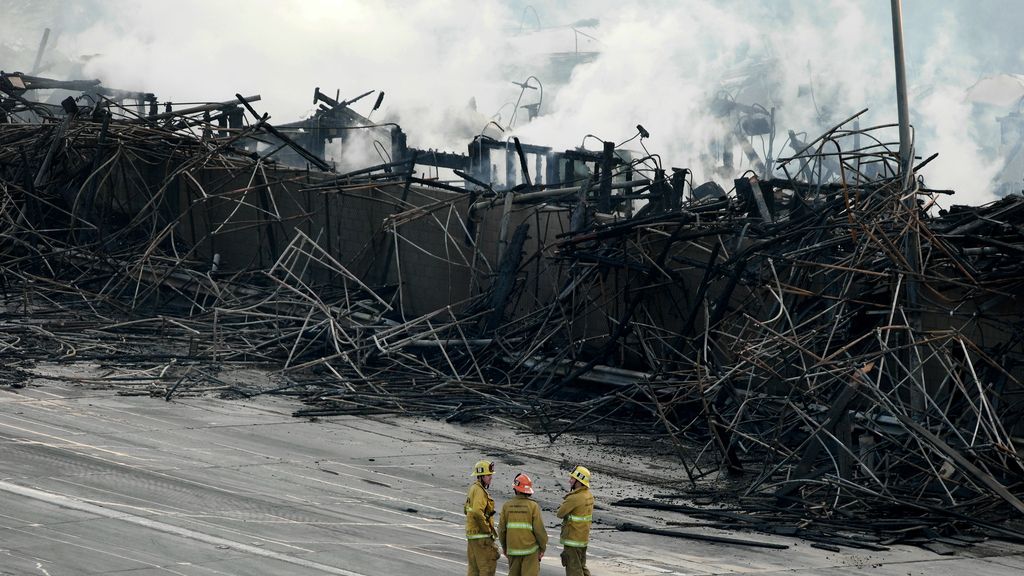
pixel 823 349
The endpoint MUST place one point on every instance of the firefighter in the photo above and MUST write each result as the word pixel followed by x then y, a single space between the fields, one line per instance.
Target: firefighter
pixel 521 530
pixel 481 551
pixel 575 512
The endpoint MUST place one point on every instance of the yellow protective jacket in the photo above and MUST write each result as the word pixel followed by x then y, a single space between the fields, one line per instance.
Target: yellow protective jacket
pixel 521 531
pixel 479 513
pixel 576 513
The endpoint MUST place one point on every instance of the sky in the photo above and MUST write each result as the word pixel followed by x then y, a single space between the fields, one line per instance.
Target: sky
pixel 447 66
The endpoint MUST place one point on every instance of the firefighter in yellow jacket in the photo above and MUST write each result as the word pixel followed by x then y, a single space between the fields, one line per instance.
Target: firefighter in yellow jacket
pixel 575 512
pixel 521 530
pixel 481 550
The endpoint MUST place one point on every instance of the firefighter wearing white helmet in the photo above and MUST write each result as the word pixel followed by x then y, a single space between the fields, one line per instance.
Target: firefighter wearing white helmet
pixel 481 551
pixel 575 512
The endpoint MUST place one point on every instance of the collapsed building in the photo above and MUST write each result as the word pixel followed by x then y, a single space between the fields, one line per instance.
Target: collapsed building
pixel 824 350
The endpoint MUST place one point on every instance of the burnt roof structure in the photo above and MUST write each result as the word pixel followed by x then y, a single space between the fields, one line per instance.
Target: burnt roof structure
pixel 784 340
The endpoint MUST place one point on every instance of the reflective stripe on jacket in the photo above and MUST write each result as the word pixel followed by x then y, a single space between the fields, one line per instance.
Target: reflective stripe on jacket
pixel 479 513
pixel 521 531
pixel 576 512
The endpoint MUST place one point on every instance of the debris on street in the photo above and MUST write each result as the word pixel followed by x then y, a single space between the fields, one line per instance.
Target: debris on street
pixel 815 342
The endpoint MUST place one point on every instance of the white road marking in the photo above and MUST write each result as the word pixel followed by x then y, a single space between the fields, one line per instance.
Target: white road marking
pixel 376 494
pixel 105 552
pixel 417 552
pixel 371 470
pixel 69 442
pixel 75 504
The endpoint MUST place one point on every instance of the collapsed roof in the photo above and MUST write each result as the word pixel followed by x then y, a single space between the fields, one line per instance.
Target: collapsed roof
pixel 822 347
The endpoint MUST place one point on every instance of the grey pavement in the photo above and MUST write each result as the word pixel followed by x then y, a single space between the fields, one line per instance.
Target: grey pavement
pixel 92 482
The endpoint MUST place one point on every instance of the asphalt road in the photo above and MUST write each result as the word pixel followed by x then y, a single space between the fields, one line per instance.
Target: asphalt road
pixel 96 483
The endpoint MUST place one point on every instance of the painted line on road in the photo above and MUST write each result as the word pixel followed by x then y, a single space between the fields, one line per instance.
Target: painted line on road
pixel 186 514
pixel 376 494
pixel 419 553
pixel 68 442
pixel 76 543
pixel 75 504
pixel 372 471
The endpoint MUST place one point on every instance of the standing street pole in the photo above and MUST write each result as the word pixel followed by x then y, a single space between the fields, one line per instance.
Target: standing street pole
pixel 903 107
pixel 912 240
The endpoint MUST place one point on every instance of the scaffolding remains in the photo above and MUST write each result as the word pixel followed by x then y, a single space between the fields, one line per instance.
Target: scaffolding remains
pixel 822 350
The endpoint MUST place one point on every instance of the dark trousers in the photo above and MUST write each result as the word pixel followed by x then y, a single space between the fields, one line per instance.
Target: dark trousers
pixel 483 557
pixel 575 561
pixel 524 565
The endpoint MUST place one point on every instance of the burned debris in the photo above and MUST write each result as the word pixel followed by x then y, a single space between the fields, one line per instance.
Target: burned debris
pixel 824 349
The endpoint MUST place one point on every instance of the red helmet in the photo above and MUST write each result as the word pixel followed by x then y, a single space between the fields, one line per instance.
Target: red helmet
pixel 522 484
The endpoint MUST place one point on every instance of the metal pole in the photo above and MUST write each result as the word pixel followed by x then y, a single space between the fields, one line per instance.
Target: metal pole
pixel 912 241
pixel 903 106
pixel 40 51
pixel 604 201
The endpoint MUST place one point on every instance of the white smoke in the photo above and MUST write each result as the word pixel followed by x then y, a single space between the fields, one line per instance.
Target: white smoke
pixel 814 61
pixel 654 70
pixel 945 123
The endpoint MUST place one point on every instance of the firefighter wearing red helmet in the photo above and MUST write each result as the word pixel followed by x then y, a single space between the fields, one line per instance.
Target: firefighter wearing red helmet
pixel 521 530
pixel 481 551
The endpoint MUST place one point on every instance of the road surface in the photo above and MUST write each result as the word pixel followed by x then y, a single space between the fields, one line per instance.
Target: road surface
pixel 96 483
